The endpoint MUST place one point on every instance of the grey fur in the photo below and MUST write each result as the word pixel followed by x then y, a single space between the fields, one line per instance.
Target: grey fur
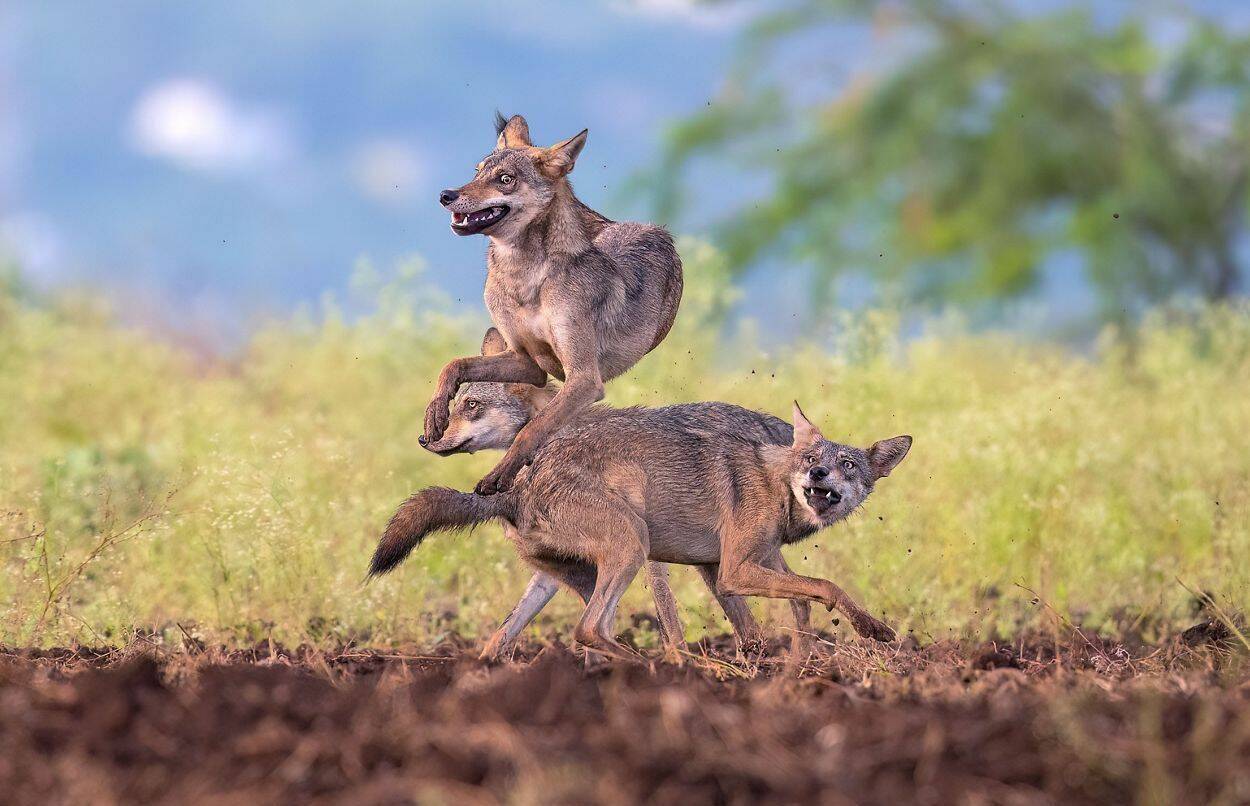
pixel 694 484
pixel 575 295
pixel 489 415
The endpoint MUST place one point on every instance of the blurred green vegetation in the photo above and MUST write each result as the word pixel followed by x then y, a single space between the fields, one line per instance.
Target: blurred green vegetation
pixel 145 489
pixel 988 140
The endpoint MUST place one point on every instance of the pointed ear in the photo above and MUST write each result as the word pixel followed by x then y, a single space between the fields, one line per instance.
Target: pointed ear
pixel 536 397
pixel 513 132
pixel 493 343
pixel 559 159
pixel 804 432
pixel 885 455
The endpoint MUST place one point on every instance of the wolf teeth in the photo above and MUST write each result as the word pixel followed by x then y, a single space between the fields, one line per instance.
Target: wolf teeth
pixel 482 215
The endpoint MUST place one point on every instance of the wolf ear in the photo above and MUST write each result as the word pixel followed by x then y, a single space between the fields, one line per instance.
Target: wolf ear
pixel 537 397
pixel 804 432
pixel 885 455
pixel 493 343
pixel 559 158
pixel 513 132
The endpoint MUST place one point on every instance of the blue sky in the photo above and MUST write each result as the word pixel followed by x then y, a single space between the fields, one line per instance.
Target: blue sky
pixel 208 163
pixel 230 158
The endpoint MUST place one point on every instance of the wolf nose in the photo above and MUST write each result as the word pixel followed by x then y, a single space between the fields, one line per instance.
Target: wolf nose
pixel 446 197
pixel 817 473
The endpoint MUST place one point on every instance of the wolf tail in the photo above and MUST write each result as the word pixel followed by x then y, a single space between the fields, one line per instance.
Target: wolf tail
pixel 433 509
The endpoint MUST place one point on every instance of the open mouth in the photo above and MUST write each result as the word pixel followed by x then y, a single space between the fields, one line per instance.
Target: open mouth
pixel 477 221
pixel 820 499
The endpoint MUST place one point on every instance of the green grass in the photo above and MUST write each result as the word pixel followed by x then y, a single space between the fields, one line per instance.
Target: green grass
pixel 142 488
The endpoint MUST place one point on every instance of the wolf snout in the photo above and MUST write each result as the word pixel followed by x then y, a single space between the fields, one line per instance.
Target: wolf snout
pixel 446 197
pixel 445 445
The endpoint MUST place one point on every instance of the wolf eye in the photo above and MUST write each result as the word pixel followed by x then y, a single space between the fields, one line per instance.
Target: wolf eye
pixel 811 460
pixel 470 404
pixel 848 464
pixel 506 179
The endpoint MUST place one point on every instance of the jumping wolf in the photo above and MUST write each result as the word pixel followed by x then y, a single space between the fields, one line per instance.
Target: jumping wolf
pixel 604 496
pixel 576 296
pixel 488 416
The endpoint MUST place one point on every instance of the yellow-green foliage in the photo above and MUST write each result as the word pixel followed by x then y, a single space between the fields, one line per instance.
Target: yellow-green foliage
pixel 144 489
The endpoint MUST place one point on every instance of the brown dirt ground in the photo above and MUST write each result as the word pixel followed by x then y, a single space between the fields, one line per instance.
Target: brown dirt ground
pixel 1038 719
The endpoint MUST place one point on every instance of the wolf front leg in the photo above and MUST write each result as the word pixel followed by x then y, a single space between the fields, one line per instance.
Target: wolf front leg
pixel 506 367
pixel 583 386
pixel 801 644
pixel 746 630
pixel 744 572
pixel 672 634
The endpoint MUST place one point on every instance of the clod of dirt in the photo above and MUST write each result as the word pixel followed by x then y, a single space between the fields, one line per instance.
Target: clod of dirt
pixel 994 657
pixel 1211 632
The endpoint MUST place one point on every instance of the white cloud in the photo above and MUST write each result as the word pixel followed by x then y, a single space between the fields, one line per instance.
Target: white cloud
pixel 387 171
pixel 695 13
pixel 195 125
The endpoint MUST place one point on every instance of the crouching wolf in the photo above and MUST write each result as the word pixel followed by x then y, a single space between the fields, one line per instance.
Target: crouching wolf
pixel 606 495
pixel 576 296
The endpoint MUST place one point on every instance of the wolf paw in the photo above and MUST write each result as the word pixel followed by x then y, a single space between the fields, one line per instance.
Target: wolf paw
pixel 869 627
pixel 675 655
pixel 501 478
pixel 498 649
pixel 752 647
pixel 437 415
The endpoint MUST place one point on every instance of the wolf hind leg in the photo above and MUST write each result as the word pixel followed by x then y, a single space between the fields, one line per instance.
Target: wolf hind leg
pixel 577 575
pixel 619 560
pixel 541 588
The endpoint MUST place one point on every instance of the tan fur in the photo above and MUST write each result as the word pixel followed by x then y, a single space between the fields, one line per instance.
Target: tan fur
pixel 501 411
pixel 575 296
pixel 612 491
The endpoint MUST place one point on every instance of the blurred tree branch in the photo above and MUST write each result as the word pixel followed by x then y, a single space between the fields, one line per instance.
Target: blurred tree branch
pixel 993 141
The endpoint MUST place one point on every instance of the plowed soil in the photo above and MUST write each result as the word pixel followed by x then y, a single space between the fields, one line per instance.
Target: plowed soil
pixel 1071 718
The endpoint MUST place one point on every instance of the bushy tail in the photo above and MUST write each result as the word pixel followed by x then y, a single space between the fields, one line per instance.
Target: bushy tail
pixel 432 510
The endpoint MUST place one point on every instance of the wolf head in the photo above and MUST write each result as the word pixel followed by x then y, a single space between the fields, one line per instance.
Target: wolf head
pixel 513 185
pixel 830 480
pixel 487 416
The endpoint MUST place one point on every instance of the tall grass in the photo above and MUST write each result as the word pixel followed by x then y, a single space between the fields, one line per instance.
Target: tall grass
pixel 143 489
